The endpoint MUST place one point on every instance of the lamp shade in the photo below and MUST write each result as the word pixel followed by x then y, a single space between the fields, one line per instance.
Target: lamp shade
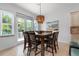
pixel 40 19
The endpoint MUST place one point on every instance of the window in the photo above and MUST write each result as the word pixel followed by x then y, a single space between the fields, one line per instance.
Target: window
pixel 21 24
pixel 29 25
pixel 6 23
pixel 36 25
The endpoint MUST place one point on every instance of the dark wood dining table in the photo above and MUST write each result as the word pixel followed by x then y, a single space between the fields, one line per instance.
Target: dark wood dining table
pixel 42 36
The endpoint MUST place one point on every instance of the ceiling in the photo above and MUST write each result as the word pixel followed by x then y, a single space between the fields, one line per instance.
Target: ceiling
pixel 47 8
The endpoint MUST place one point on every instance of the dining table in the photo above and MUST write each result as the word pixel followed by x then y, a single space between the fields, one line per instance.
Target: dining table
pixel 42 37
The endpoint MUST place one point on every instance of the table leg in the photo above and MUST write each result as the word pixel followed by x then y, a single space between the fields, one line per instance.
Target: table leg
pixel 42 46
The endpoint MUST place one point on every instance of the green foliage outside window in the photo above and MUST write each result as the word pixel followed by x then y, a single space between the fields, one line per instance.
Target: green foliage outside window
pixel 24 24
pixel 6 25
pixel 29 25
pixel 21 25
pixel 6 19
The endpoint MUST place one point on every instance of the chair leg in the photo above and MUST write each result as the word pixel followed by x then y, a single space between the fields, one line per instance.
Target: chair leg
pixel 52 51
pixel 29 52
pixel 29 49
pixel 57 44
pixel 35 52
pixel 24 44
pixel 55 47
pixel 35 49
pixel 47 45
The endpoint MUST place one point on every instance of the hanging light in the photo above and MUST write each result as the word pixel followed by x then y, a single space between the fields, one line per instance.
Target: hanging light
pixel 40 18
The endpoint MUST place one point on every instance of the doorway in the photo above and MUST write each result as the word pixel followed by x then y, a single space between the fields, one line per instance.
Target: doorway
pixel 23 25
pixel 21 28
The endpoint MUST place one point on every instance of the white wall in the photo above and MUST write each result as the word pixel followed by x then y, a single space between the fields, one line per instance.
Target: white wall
pixel 62 13
pixel 9 41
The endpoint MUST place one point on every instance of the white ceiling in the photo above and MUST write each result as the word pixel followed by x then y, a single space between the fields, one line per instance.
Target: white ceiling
pixel 47 8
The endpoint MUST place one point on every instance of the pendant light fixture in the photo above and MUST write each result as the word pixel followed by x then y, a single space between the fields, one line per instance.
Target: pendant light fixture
pixel 40 18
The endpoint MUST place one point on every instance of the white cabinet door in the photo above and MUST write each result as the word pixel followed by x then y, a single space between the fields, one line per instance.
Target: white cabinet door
pixel 75 19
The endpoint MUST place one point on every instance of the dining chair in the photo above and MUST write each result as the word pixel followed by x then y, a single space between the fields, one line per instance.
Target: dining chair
pixel 33 43
pixel 25 40
pixel 53 42
pixel 56 41
pixel 50 44
pixel 47 41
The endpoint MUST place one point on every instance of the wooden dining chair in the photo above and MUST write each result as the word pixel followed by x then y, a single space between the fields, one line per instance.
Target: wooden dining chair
pixel 55 40
pixel 52 42
pixel 33 43
pixel 25 40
